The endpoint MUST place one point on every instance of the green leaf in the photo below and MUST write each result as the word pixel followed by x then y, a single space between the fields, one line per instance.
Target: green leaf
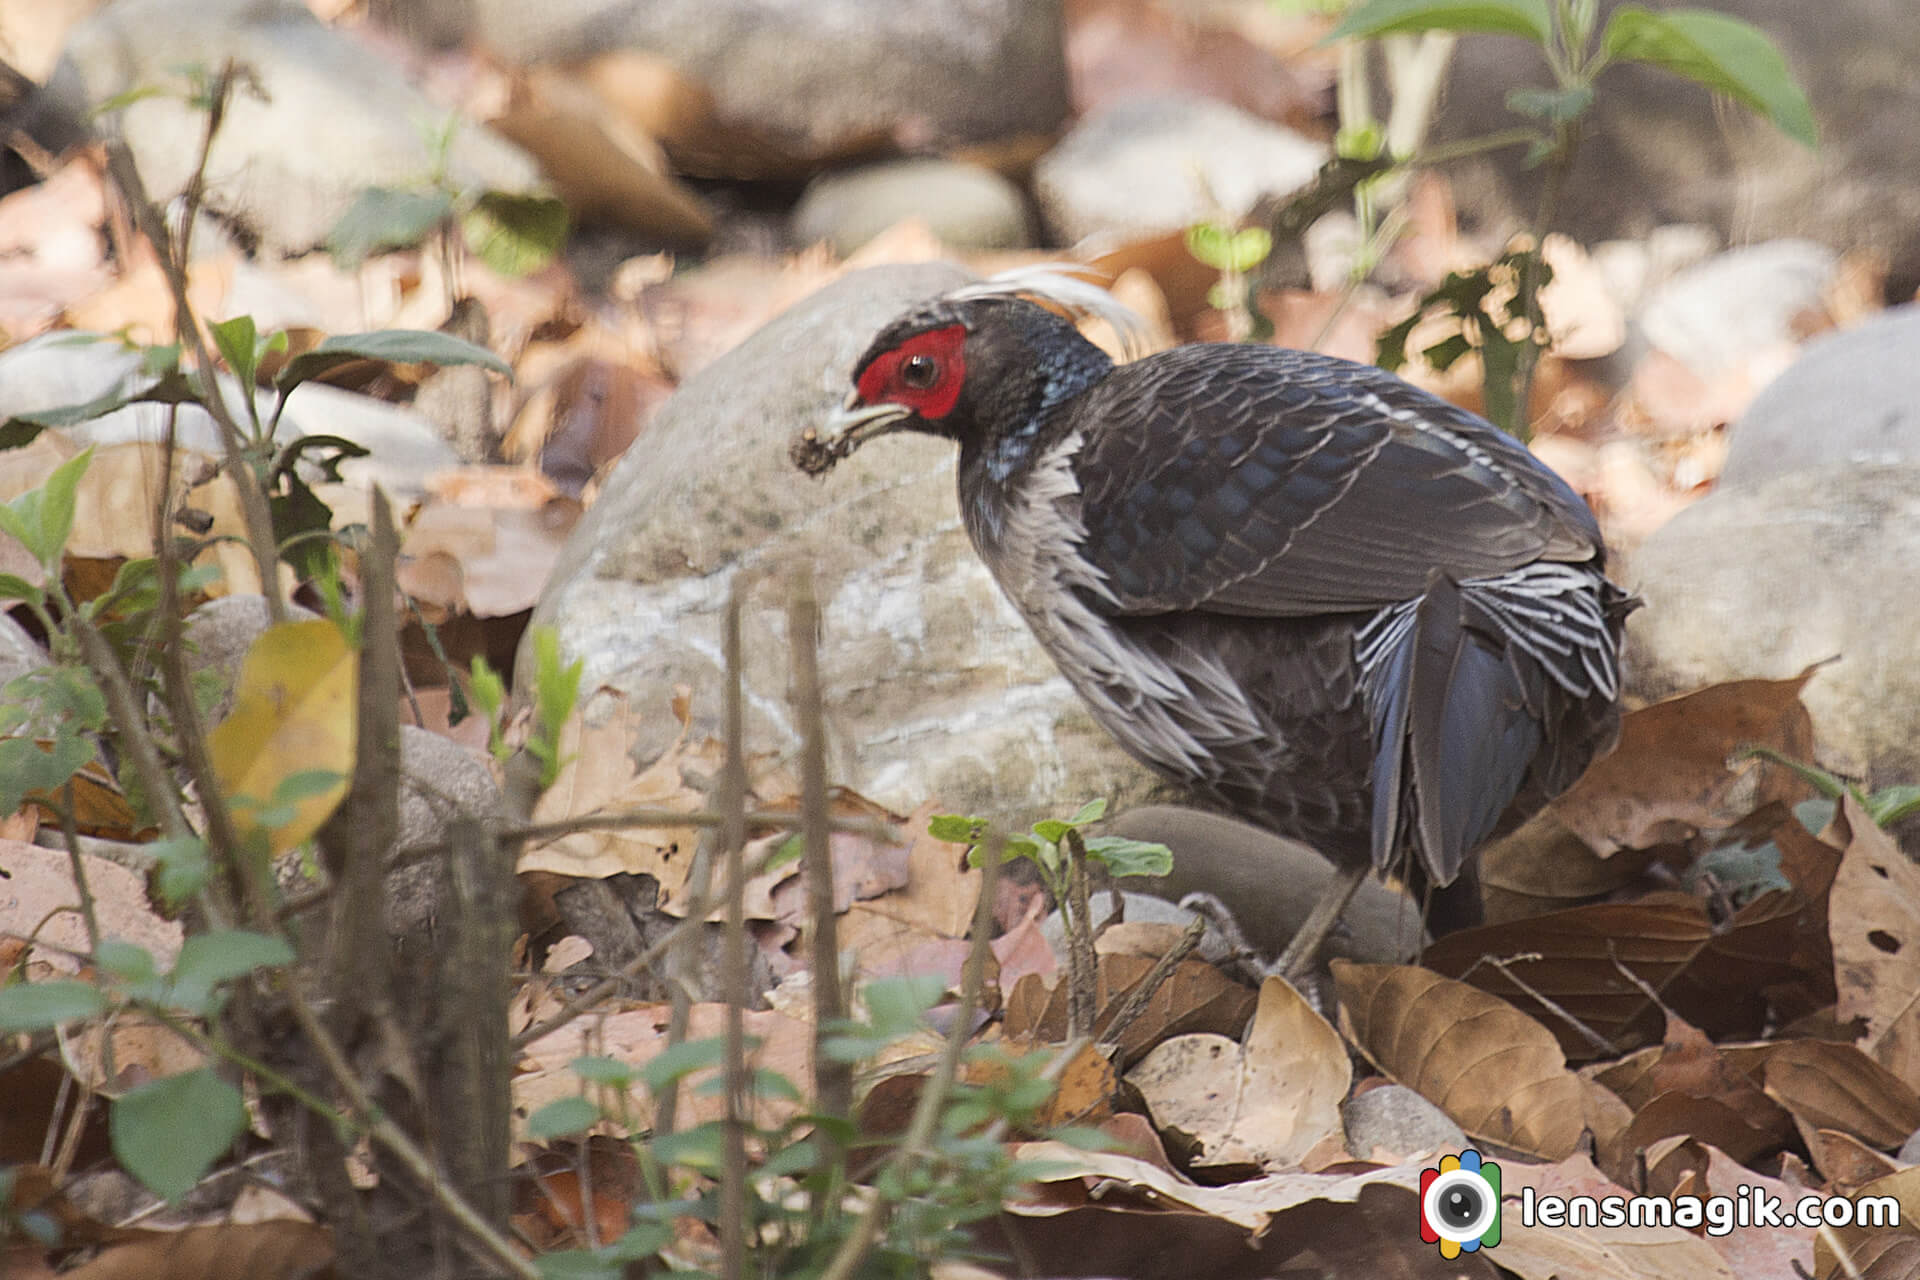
pixel 1556 106
pixel 384 218
pixel 172 388
pixel 208 959
pixel 604 1070
pixel 954 829
pixel 1723 53
pixel 1123 857
pixel 127 961
pixel 1443 354
pixel 238 342
pixel 516 235
pixel 896 1005
pixel 1052 830
pixel 14 587
pixel 561 1117
pixel 37 1006
pixel 1091 811
pixel 678 1061
pixel 27 767
pixel 181 867
pixel 1528 18
pixel 396 346
pixel 1890 804
pixel 698 1148
pixel 56 508
pixel 170 1131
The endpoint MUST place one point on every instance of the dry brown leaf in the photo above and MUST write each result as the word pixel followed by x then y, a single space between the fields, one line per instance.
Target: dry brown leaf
pixel 599 776
pixel 126 478
pixel 1247 1204
pixel 1874 920
pixel 1585 319
pixel 605 169
pixel 1268 1103
pixel 1542 866
pixel 1837 1086
pixel 503 554
pixel 139 304
pixel 1194 998
pixel 1846 1162
pixel 941 889
pixel 636 1036
pixel 1085 1091
pixel 1668 779
pixel 1888 1253
pixel 279 1250
pixel 1499 1074
pixel 1711 976
pixel 1619 1253
pixel 36 882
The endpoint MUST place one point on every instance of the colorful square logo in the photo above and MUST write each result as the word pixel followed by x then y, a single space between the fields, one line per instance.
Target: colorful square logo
pixel 1460 1204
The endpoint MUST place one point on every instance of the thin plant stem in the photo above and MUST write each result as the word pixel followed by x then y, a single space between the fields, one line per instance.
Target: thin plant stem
pixel 733 838
pixel 933 1094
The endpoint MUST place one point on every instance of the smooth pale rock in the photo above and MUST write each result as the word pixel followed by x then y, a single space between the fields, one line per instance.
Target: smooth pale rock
pixel 1398 1120
pixel 933 687
pixel 1660 149
pixel 1149 165
pixel 1717 313
pixel 1852 397
pixel 964 205
pixel 1767 578
pixel 335 116
pixel 825 76
pixel 1138 908
pixel 440 780
pixel 1268 882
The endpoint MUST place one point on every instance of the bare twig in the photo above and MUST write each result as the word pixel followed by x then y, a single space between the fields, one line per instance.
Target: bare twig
pixel 1506 964
pixel 479 1234
pixel 253 499
pixel 832 1078
pixel 1143 991
pixel 733 836
pixel 933 1094
pixel 1083 971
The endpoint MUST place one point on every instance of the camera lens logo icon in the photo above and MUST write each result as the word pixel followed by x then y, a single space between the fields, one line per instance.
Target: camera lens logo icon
pixel 1460 1204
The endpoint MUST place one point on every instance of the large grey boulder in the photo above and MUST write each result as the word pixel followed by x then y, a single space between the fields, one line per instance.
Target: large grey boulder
pixel 1659 149
pixel 934 689
pixel 1149 165
pixel 1852 397
pixel 333 117
pixel 825 76
pixel 1765 579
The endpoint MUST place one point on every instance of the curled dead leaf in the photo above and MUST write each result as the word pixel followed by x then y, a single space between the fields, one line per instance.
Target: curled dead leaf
pixel 1499 1074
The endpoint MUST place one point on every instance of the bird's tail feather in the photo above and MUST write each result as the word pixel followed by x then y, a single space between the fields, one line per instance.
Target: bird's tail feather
pixel 1455 728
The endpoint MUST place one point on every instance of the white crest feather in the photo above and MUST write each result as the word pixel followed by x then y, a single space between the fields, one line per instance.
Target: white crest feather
pixel 1051 283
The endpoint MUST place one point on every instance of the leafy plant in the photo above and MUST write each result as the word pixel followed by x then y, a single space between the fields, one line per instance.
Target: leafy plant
pixel 796 1222
pixel 1499 305
pixel 514 234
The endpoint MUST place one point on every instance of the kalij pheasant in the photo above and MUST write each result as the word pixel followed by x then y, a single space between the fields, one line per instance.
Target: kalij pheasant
pixel 1322 599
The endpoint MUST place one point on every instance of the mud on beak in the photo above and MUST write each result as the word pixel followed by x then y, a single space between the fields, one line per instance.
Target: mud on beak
pixel 846 429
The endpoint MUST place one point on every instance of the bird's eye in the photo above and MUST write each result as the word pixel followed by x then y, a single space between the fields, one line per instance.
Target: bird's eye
pixel 920 372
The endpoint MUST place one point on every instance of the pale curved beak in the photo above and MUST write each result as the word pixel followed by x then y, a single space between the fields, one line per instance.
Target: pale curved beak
pixel 846 429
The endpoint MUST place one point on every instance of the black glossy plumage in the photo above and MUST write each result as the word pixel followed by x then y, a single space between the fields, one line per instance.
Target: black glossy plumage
pixel 1323 599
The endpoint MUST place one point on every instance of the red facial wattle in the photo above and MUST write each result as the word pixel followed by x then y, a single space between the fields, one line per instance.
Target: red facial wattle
pixel 882 382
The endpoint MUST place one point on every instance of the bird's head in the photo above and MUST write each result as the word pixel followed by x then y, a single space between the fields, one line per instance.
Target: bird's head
pixel 976 362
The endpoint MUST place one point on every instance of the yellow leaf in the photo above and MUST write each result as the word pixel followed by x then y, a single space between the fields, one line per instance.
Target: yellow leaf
pixel 293 713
